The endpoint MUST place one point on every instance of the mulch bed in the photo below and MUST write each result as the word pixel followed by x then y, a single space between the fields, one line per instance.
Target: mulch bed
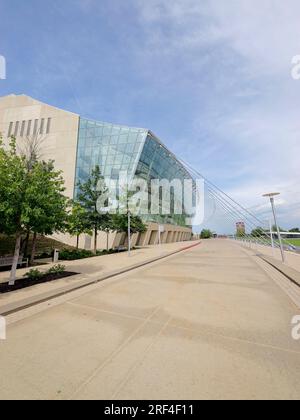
pixel 25 282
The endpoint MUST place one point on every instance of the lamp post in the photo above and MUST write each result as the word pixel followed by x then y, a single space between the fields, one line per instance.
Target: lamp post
pixel 272 238
pixel 271 197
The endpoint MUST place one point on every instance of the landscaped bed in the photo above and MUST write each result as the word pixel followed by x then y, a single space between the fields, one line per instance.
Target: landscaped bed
pixel 34 277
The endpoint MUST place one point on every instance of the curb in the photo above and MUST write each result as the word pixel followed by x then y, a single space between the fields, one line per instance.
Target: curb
pixel 44 297
pixel 290 273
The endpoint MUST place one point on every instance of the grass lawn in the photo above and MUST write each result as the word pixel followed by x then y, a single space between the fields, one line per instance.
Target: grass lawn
pixel 44 245
pixel 295 242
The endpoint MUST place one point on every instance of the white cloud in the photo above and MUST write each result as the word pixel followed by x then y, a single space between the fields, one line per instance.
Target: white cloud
pixel 252 112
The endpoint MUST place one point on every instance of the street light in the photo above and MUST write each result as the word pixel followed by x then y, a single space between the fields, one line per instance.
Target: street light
pixel 271 197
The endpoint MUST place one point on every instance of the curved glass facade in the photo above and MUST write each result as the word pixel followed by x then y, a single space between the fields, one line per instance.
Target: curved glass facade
pixel 117 148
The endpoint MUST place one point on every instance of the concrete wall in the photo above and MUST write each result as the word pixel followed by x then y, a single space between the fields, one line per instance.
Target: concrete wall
pixel 171 234
pixel 60 144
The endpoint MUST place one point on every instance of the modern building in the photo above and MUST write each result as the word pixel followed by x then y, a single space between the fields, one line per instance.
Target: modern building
pixel 77 145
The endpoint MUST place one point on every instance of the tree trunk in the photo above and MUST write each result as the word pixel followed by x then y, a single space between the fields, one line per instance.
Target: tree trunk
pixel 95 241
pixel 26 241
pixel 33 248
pixel 13 272
pixel 77 243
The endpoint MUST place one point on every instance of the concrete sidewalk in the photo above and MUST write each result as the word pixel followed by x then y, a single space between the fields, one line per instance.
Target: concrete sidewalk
pixel 90 270
pixel 292 258
pixel 208 323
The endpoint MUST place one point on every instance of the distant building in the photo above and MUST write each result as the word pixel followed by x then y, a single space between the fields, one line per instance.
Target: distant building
pixel 240 228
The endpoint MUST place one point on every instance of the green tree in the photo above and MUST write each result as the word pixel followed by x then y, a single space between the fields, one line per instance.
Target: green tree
pixel 107 227
pixel 206 234
pixel 89 193
pixel 127 212
pixel 295 230
pixel 120 223
pixel 13 185
pixel 31 198
pixel 77 222
pixel 258 232
pixel 46 209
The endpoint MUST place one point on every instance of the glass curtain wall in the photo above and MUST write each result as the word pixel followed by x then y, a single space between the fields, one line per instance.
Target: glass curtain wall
pixel 137 151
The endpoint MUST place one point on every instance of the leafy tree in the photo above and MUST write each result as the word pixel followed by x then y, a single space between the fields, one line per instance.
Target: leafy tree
pixel 89 194
pixel 46 209
pixel 258 232
pixel 77 222
pixel 31 198
pixel 206 234
pixel 13 185
pixel 120 222
pixel 295 230
pixel 126 212
pixel 107 227
pixel 274 228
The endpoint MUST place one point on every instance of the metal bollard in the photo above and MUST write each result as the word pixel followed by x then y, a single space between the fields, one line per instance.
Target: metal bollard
pixel 56 256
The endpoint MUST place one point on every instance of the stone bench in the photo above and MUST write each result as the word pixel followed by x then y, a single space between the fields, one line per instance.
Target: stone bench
pixel 8 261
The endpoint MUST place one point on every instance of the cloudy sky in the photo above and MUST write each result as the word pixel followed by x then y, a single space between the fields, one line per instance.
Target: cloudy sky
pixel 212 78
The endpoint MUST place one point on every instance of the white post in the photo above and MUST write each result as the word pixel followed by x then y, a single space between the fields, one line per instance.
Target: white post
pixel 272 238
pixel 278 230
pixel 56 256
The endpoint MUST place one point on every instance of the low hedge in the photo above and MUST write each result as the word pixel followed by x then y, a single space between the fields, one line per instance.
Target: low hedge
pixel 75 254
pixel 80 254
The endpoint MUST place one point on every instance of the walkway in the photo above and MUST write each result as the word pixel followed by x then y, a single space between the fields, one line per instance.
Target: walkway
pixel 210 322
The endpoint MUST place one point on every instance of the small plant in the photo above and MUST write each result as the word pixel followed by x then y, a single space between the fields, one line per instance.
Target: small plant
pixel 57 269
pixel 34 274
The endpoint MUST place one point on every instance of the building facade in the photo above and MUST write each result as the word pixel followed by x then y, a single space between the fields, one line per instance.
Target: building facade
pixel 77 145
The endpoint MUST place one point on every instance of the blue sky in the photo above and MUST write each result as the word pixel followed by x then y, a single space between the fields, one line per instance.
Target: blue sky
pixel 212 78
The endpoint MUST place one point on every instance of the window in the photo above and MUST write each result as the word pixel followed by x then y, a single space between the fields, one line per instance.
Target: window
pixel 29 128
pixel 22 128
pixel 16 128
pixel 42 126
pixel 48 126
pixel 10 129
pixel 35 128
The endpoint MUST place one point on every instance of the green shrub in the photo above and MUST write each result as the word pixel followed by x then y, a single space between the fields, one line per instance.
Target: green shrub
pixel 76 254
pixel 34 274
pixel 57 269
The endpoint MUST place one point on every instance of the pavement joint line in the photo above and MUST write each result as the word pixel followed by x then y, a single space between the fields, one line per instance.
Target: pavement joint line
pixel 112 355
pixel 79 305
pixel 140 360
pixel 229 338
pixel 94 281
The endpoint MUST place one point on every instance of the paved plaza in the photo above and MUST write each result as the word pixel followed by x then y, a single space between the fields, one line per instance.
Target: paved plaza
pixel 210 322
